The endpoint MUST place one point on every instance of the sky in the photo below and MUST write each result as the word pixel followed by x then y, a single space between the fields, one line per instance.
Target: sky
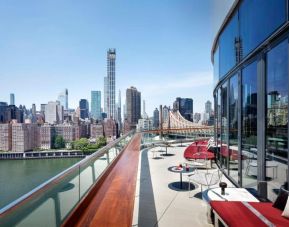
pixel 163 49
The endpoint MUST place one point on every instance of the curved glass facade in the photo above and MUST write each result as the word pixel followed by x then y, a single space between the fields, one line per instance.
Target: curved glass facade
pixel 251 95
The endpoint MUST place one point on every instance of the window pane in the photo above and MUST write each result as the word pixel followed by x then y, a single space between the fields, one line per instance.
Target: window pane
pixel 259 19
pixel 216 66
pixel 227 46
pixel 224 128
pixel 249 125
pixel 219 122
pixel 233 128
pixel 277 118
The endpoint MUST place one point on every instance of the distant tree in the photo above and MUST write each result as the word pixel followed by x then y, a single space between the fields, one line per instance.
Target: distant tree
pixel 81 144
pixel 59 142
pixel 101 141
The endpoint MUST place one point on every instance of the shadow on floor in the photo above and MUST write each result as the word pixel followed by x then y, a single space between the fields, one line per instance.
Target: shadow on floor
pixel 176 186
pixel 147 215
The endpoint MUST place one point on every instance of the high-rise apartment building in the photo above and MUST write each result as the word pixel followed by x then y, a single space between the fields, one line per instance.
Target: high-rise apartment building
pixel 25 137
pixel 156 118
pixel 5 137
pixel 185 107
pixel 133 106
pixel 208 108
pixel 54 113
pixel 111 55
pixel 84 108
pixel 12 99
pixel 96 105
pixel 63 99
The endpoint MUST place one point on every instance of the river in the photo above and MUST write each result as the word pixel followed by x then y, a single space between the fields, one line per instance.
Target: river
pixel 18 177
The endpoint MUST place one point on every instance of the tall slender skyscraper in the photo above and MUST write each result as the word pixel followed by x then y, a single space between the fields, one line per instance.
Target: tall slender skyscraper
pixel 12 99
pixel 111 55
pixel 96 105
pixel 63 99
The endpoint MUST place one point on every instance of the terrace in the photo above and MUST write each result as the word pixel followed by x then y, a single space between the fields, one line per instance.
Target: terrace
pixel 120 185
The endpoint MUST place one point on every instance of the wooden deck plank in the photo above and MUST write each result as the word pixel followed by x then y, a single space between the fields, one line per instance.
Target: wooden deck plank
pixel 113 202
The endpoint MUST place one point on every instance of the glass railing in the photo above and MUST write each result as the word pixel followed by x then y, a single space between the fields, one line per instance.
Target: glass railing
pixel 52 202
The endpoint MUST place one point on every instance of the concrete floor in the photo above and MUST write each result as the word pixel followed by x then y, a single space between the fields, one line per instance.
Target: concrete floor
pixel 157 203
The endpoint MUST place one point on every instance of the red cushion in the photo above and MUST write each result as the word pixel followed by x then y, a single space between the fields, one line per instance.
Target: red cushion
pixel 271 213
pixel 235 214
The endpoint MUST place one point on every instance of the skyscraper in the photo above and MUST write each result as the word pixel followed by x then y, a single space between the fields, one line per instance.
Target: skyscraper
pixel 54 113
pixel 111 54
pixel 96 105
pixel 156 119
pixel 105 96
pixel 84 108
pixel 12 99
pixel 133 105
pixel 118 110
pixel 185 107
pixel 208 108
pixel 63 99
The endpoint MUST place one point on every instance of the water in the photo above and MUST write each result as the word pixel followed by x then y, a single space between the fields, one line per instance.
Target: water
pixel 18 177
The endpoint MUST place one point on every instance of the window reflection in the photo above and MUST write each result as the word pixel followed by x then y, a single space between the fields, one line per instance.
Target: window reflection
pixel 249 125
pixel 228 51
pixel 224 128
pixel 233 128
pixel 256 22
pixel 277 118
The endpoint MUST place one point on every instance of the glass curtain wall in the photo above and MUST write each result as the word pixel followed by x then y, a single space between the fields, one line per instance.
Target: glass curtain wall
pixel 224 152
pixel 256 23
pixel 277 118
pixel 233 128
pixel 249 126
pixel 218 129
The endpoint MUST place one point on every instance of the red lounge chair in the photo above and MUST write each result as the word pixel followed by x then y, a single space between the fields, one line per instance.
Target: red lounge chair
pixel 236 214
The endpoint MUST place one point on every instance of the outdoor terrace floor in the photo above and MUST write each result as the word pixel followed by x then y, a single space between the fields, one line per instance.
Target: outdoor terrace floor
pixel 157 203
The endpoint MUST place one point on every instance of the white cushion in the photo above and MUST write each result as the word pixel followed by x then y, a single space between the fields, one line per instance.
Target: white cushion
pixel 286 209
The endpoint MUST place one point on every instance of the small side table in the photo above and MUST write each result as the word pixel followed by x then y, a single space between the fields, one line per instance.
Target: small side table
pixel 177 169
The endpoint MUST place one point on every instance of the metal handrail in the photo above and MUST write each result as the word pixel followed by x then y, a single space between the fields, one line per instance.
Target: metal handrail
pixel 61 175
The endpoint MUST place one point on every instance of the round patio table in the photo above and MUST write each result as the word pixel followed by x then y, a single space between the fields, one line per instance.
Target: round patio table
pixel 181 170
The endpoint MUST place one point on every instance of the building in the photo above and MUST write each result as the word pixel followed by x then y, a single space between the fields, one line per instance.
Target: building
pixel 156 118
pixel 110 85
pixel 118 111
pixel 96 105
pixel 110 128
pixel 46 135
pixel 250 58
pixel 197 117
pixel 166 112
pixel 133 106
pixel 145 124
pixel 54 113
pixel 84 108
pixel 5 137
pixel 3 107
pixel 12 99
pixel 208 108
pixel 25 137
pixel 96 130
pixel 63 99
pixel 13 113
pixel 185 107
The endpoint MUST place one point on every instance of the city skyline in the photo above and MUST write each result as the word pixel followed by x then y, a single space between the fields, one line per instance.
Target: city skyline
pixel 41 50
